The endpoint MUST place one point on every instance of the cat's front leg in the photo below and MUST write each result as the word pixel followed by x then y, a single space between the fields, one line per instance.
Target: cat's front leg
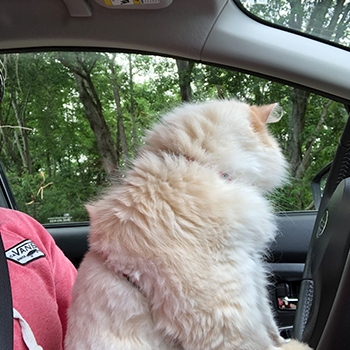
pixel 108 312
pixel 276 338
pixel 265 305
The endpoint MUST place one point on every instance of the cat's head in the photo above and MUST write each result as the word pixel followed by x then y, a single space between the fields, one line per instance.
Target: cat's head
pixel 227 135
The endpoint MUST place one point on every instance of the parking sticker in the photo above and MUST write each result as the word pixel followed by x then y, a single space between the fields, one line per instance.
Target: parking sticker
pixel 130 2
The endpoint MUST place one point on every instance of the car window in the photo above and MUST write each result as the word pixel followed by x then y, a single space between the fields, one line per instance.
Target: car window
pixel 325 20
pixel 71 121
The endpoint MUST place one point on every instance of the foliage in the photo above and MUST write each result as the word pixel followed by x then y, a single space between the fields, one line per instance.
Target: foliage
pixel 49 147
pixel 326 19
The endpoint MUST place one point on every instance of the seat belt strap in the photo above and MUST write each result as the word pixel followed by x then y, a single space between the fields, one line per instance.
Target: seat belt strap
pixel 6 313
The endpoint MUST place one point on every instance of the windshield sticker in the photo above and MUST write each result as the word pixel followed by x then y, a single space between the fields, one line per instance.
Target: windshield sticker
pixel 24 252
pixel 130 2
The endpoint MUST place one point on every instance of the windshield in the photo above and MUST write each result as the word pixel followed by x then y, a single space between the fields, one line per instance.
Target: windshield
pixel 327 20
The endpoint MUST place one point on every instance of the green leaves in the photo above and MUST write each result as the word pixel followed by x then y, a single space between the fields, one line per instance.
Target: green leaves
pixel 45 126
pixel 328 20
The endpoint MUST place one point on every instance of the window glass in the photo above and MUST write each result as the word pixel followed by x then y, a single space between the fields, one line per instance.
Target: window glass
pixel 70 122
pixel 328 20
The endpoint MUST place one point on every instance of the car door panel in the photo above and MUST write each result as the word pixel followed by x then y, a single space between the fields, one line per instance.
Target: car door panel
pixel 72 239
pixel 286 263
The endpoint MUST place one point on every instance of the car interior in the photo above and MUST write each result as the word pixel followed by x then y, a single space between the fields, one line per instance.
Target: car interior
pixel 267 42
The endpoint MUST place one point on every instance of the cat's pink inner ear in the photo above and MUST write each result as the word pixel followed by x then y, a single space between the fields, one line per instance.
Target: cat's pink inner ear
pixel 270 113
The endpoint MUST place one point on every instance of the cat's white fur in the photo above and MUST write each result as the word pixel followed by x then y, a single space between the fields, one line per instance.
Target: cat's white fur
pixel 176 249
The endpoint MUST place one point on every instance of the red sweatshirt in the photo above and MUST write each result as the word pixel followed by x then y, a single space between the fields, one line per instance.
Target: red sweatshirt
pixel 41 280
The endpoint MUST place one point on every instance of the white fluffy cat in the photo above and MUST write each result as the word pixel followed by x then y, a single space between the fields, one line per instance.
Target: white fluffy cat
pixel 176 249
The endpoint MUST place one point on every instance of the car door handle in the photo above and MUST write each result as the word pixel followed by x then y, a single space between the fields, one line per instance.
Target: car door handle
pixel 287 303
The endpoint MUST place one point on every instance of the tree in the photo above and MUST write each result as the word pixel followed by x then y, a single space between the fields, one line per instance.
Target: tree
pixel 57 137
pixel 329 20
pixel 19 150
pixel 128 93
pixel 132 103
pixel 81 66
pixel 184 69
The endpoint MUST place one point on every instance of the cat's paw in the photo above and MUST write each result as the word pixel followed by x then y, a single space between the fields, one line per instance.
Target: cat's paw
pixel 295 345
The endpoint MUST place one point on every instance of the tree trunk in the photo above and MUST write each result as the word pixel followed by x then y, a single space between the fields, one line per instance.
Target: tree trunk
pixel 9 149
pixel 121 137
pixel 22 143
pixel 296 126
pixel 94 114
pixel 132 105
pixel 93 111
pixel 296 15
pixel 184 69
pixel 306 160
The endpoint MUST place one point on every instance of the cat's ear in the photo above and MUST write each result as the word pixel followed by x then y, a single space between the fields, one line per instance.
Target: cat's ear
pixel 91 211
pixel 270 113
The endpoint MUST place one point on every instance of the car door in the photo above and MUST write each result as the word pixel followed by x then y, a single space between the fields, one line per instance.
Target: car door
pixel 286 260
